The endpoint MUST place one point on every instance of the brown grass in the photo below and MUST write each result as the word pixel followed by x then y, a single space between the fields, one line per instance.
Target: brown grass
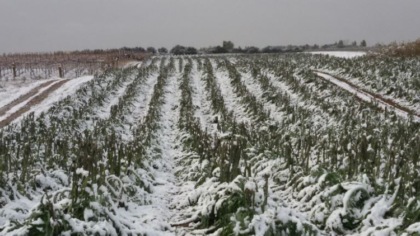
pixel 93 60
pixel 411 49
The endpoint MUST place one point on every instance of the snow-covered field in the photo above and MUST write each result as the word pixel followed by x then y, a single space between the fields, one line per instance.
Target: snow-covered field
pixel 211 145
pixel 368 97
pixel 341 54
pixel 11 90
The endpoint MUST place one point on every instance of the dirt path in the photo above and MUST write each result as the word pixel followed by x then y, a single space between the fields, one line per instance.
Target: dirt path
pixel 368 96
pixel 32 102
pixel 24 97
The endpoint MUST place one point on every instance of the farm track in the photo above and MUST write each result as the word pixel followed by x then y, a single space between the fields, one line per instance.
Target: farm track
pixel 368 96
pixel 24 97
pixel 32 102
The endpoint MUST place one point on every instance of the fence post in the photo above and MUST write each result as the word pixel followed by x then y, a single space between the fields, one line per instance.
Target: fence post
pixel 14 70
pixel 60 71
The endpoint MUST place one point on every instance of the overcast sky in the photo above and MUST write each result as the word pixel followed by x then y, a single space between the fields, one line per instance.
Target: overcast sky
pixel 49 25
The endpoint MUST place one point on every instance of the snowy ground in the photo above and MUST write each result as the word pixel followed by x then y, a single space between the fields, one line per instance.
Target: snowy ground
pixel 65 90
pixel 342 54
pixel 232 101
pixel 13 92
pixel 169 199
pixel 366 96
pixel 199 96
pixel 12 89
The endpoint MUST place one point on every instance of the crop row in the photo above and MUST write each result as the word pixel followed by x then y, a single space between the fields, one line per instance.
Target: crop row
pixel 357 143
pixel 262 145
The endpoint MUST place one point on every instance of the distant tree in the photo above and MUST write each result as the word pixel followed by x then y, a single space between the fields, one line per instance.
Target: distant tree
pixel 191 51
pixel 151 50
pixel 125 49
pixel 98 51
pixel 238 50
pixel 363 43
pixel 181 50
pixel 162 50
pixel 340 44
pixel 315 46
pixel 228 45
pixel 298 49
pixel 290 48
pixel 267 49
pixel 218 49
pixel 178 50
pixel 252 50
pixel 139 49
pixel 354 44
pixel 271 49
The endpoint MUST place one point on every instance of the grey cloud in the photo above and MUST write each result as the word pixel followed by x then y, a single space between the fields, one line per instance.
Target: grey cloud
pixel 48 25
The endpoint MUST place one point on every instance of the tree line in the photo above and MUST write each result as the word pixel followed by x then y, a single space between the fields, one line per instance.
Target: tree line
pixel 229 47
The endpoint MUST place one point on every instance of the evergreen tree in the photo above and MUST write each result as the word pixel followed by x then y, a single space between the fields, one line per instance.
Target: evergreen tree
pixel 163 50
pixel 151 50
pixel 228 45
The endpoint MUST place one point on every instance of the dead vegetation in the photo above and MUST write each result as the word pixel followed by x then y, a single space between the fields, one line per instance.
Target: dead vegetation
pixel 410 49
pixel 91 61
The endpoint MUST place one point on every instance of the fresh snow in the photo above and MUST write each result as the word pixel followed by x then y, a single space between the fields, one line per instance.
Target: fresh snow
pixel 104 112
pixel 255 89
pixel 133 64
pixel 175 203
pixel 158 214
pixel 199 98
pixel 141 107
pixel 342 54
pixel 232 101
pixel 318 116
pixel 366 97
pixel 23 103
pixel 67 89
pixel 13 89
